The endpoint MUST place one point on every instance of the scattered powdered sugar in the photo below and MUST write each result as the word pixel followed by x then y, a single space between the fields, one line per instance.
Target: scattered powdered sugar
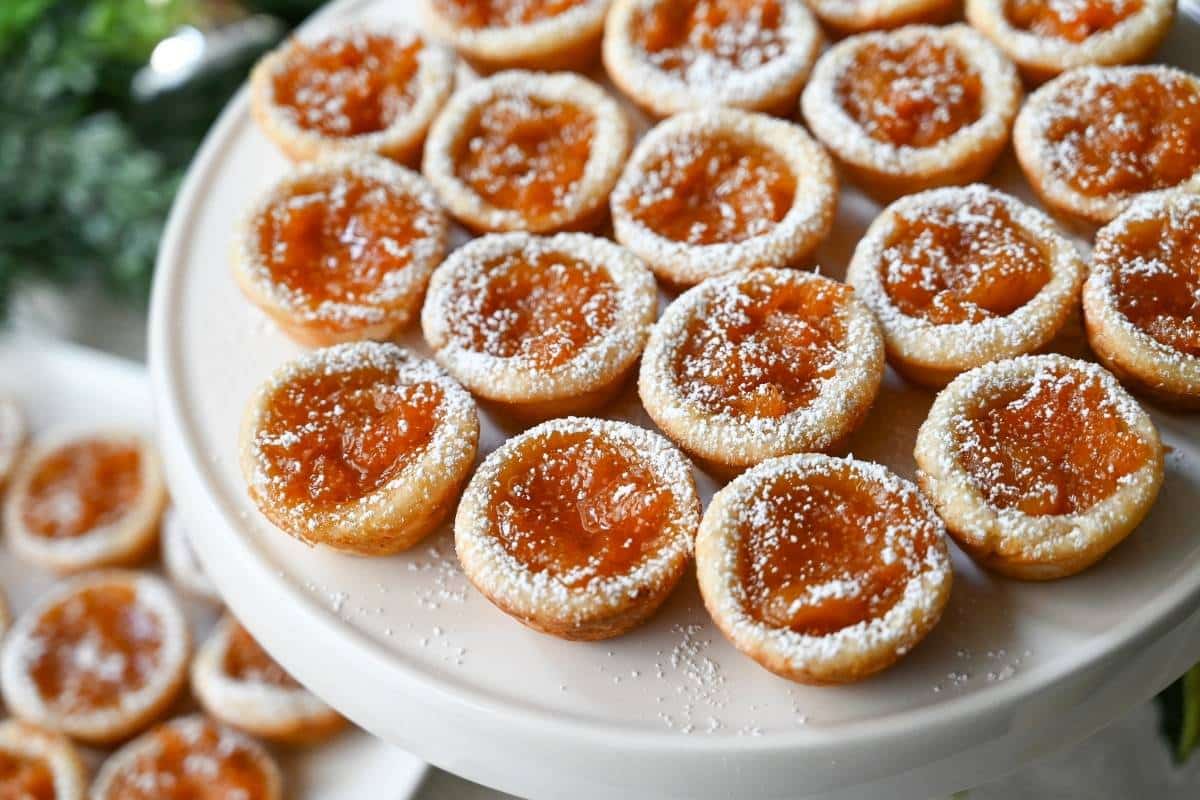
pixel 698 681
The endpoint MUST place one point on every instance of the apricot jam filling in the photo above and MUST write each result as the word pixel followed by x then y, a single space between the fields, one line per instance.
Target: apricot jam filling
pixel 910 94
pixel 538 306
pixel 1056 444
pixel 340 239
pixel 349 85
pixel 762 350
pixel 332 437
pixel 1155 265
pixel 712 190
pixel 580 507
pixel 966 263
pixel 192 762
pixel 25 778
pixel 524 154
pixel 94 647
pixel 81 487
pixel 822 552
pixel 245 660
pixel 502 13
pixel 1072 20
pixel 702 39
pixel 1130 133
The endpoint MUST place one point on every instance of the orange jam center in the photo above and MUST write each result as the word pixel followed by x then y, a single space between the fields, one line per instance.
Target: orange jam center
pixel 1073 20
pixel 538 306
pixel 340 239
pixel 912 95
pixel 963 263
pixel 349 85
pixel 1052 445
pixel 93 647
pixel 335 436
pixel 761 349
pixel 710 191
pixel 192 763
pixel 824 552
pixel 81 487
pixel 502 13
pixel 579 506
pixel 24 778
pixel 1156 276
pixel 1127 134
pixel 245 660
pixel 703 39
pixel 526 155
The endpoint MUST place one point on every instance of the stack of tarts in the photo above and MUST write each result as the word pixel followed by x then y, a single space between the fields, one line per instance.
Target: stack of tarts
pixel 823 568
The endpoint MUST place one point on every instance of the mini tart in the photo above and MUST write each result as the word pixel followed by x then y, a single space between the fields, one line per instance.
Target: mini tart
pixel 914 108
pixel 360 91
pixel 1039 465
pixel 1085 166
pixel 520 34
pixel 579 528
pixel 760 364
pixel 85 499
pixel 12 437
pixel 37 764
pixel 676 55
pixel 846 17
pixel 237 682
pixel 361 447
pixel 541 326
pixel 189 757
pixel 1139 299
pixel 822 569
pixel 342 250
pixel 528 151
pixel 182 564
pixel 960 276
pixel 1046 37
pixel 711 192
pixel 98 657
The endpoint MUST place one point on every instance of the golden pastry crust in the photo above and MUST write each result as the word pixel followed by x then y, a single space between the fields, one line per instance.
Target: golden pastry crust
pixel 887 170
pixel 681 142
pixel 768 78
pixel 280 713
pixel 1158 369
pixel 582 203
pixel 585 602
pixel 407 503
pixel 125 710
pixel 822 652
pixel 20 740
pixel 507 353
pixel 847 17
pixel 1040 57
pixel 1053 108
pixel 394 274
pixel 12 437
pixel 134 771
pixel 569 39
pixel 404 134
pixel 181 562
pixel 840 388
pixel 120 536
pixel 1001 534
pixel 933 353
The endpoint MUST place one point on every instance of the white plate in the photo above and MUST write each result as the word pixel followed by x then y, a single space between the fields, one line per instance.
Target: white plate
pixel 55 383
pixel 407 649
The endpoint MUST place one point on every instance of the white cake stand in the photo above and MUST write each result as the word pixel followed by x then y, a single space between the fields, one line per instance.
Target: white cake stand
pixel 408 650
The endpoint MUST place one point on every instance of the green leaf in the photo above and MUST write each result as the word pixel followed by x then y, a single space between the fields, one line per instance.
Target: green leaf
pixel 1179 714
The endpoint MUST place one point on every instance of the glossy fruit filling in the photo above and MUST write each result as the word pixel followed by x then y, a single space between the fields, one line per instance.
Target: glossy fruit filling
pixel 1072 20
pixel 961 263
pixel 83 486
pixel 502 13
pixel 704 39
pixel 25 778
pixel 1055 444
pixel 709 190
pixel 910 94
pixel 762 348
pixel 349 85
pixel 579 506
pixel 245 660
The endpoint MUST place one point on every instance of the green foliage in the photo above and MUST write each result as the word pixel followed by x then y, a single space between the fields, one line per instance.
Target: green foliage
pixel 1179 710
